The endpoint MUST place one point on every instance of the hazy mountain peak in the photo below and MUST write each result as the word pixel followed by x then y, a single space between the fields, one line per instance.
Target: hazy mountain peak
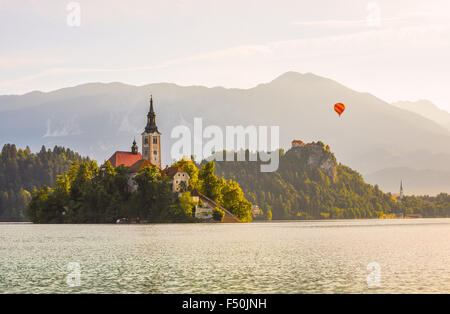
pixel 296 77
pixel 288 76
pixel 306 81
pixel 426 109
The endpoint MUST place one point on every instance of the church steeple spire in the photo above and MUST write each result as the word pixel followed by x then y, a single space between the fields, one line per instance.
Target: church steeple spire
pixel 152 111
pixel 151 119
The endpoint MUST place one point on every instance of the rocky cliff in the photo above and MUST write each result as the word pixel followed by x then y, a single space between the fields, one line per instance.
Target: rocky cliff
pixel 312 156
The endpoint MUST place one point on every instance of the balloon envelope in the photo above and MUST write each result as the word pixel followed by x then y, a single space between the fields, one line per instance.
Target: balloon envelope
pixel 339 108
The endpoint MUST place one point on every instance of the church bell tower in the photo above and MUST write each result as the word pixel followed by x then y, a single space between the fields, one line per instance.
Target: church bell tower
pixel 151 139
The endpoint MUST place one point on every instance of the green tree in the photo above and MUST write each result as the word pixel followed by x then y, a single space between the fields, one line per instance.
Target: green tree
pixel 153 198
pixel 233 199
pixel 209 183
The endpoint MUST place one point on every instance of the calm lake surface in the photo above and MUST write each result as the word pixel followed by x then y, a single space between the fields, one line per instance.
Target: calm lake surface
pixel 275 257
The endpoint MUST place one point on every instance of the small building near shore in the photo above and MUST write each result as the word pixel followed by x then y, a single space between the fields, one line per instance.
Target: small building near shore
pixel 256 211
pixel 205 207
pixel 179 178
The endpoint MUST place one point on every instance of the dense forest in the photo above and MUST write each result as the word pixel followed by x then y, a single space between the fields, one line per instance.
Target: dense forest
pixel 427 206
pixel 91 194
pixel 298 191
pixel 22 171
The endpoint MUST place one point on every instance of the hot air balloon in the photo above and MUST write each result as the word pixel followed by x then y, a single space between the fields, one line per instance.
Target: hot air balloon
pixel 339 108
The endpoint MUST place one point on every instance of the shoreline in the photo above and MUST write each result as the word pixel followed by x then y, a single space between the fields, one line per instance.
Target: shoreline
pixel 220 223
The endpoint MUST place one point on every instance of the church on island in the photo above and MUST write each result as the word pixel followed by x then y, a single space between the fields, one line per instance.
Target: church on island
pixel 151 156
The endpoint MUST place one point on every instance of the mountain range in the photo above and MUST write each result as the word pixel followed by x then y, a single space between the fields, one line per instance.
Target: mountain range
pixel 372 136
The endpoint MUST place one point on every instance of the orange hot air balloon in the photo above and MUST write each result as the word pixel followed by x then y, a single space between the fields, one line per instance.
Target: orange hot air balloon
pixel 339 108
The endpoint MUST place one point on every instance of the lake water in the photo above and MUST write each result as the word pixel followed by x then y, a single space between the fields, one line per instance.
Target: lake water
pixel 276 257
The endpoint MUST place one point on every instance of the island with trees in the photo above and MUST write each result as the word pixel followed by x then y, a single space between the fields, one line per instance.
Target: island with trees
pixel 87 193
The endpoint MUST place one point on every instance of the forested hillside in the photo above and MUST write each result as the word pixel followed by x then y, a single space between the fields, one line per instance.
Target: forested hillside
pixel 310 184
pixel 22 171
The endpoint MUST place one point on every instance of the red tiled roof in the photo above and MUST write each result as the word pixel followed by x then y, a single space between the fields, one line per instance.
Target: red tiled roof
pixel 138 165
pixel 171 171
pixel 124 158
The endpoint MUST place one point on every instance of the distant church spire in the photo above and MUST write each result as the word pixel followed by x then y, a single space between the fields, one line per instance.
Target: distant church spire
pixel 401 190
pixel 152 111
pixel 151 119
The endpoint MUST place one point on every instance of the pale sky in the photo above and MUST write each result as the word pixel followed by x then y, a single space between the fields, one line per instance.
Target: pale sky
pixel 394 49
